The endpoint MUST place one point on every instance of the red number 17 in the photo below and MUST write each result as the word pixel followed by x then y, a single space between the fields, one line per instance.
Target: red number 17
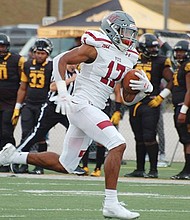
pixel 111 82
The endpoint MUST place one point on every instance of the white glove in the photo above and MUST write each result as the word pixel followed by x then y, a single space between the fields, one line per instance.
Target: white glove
pixel 63 100
pixel 143 84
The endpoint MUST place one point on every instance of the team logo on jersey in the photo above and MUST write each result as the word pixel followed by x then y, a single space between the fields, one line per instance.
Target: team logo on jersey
pixel 105 46
pixel 128 54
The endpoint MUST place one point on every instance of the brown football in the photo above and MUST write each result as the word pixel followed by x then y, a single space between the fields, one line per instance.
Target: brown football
pixel 126 81
pixel 128 97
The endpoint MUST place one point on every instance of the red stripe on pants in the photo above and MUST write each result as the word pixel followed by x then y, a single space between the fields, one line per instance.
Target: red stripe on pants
pixel 104 124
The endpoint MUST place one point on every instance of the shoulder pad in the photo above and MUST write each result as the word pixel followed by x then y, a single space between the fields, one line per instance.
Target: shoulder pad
pixel 168 62
pixel 187 67
pixel 95 38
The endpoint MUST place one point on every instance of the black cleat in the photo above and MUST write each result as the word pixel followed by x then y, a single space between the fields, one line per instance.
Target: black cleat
pixel 4 169
pixel 152 174
pixel 37 170
pixel 181 176
pixel 17 168
pixel 135 173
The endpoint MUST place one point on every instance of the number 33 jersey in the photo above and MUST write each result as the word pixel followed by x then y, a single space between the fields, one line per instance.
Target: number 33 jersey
pixel 96 80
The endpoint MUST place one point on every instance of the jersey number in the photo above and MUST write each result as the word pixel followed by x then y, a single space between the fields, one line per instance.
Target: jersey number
pixel 3 73
pixel 37 80
pixel 111 82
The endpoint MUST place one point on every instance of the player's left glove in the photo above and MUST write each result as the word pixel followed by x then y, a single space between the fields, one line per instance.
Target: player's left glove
pixel 63 100
pixel 143 84
pixel 116 117
pixel 16 114
pixel 155 102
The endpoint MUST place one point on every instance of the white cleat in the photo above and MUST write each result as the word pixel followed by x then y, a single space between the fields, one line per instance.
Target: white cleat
pixel 117 211
pixel 7 154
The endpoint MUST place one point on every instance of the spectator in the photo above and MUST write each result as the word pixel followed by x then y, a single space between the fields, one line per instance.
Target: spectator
pixel 10 71
pixel 181 102
pixel 144 115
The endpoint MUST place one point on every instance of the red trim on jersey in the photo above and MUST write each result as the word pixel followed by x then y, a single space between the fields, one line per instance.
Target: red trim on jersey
pixel 104 124
pixel 132 51
pixel 97 38
pixel 81 153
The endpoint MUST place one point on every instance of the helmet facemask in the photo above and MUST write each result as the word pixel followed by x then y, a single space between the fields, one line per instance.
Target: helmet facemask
pixel 125 38
pixel 5 41
pixel 149 46
pixel 181 51
pixel 43 44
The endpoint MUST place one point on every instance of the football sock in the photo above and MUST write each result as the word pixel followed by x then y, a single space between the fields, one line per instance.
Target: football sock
pixel 100 153
pixel 152 151
pixel 85 158
pixel 140 154
pixel 20 158
pixel 187 163
pixel 110 197
pixel 42 147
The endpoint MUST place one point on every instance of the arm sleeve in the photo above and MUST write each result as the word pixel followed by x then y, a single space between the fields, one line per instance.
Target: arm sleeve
pixel 56 74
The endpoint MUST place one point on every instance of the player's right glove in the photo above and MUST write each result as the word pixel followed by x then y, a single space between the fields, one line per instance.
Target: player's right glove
pixel 16 114
pixel 143 84
pixel 63 100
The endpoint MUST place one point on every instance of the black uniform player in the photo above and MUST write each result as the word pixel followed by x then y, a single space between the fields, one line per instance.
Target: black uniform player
pixel 48 118
pixel 33 91
pixel 181 102
pixel 10 73
pixel 144 115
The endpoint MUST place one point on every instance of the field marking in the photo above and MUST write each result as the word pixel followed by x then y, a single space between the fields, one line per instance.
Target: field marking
pixel 12 216
pixel 46 193
pixel 89 178
pixel 91 210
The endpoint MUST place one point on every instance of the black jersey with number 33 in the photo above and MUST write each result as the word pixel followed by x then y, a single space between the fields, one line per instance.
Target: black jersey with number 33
pixel 38 77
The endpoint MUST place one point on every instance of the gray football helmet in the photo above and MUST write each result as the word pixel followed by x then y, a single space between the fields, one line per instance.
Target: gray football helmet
pixel 121 29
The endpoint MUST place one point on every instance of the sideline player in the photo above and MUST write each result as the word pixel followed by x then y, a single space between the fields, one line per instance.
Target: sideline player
pixel 11 66
pixel 144 115
pixel 181 102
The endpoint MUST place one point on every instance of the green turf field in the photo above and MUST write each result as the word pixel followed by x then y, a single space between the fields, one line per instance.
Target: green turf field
pixel 57 196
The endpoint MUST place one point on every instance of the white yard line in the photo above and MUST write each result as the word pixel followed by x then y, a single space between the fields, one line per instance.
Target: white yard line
pixel 89 178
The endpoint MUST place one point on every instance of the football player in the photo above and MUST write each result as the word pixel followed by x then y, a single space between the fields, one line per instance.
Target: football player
pixel 105 58
pixel 10 72
pixel 115 118
pixel 144 115
pixel 47 119
pixel 33 91
pixel 181 102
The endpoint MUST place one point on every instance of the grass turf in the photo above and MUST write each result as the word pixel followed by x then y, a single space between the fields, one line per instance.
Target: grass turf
pixel 57 196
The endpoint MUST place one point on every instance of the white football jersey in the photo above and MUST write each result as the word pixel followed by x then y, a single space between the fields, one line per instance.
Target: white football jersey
pixel 96 81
